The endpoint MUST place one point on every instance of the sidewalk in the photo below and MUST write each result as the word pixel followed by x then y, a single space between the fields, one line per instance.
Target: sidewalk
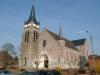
pixel 82 74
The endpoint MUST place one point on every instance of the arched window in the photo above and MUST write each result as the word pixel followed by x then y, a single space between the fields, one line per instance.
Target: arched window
pixel 44 43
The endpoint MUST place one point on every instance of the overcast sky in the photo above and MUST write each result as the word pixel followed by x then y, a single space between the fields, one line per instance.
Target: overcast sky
pixel 75 16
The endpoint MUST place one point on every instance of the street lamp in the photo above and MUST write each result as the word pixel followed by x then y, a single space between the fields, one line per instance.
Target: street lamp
pixel 90 36
pixel 91 44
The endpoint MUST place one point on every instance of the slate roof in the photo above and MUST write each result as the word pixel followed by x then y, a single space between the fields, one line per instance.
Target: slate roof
pixel 79 42
pixel 32 17
pixel 68 43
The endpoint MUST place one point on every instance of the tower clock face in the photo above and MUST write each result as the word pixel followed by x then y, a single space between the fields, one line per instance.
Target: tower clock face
pixel 36 26
pixel 44 43
pixel 26 26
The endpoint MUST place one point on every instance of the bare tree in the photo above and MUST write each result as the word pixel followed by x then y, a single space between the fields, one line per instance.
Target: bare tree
pixel 8 47
pixel 8 56
pixel 5 59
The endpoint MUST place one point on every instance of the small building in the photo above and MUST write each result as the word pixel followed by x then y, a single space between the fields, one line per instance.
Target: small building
pixel 82 46
pixel 94 62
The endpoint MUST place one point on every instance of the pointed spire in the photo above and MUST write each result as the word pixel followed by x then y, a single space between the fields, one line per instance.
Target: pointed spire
pixel 60 32
pixel 32 16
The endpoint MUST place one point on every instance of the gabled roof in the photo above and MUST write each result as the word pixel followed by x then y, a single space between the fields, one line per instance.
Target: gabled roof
pixel 96 56
pixel 79 42
pixel 54 35
pixel 32 17
pixel 68 43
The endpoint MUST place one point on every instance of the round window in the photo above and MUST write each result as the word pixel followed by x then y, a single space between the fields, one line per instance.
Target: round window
pixel 44 43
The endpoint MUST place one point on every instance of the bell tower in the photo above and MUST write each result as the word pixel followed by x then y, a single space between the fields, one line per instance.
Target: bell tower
pixel 29 44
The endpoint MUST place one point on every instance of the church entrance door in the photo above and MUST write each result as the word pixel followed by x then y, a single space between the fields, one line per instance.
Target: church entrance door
pixel 43 61
pixel 46 63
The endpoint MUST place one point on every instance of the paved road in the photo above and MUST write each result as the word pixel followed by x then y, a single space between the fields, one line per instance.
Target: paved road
pixel 82 74
pixel 88 74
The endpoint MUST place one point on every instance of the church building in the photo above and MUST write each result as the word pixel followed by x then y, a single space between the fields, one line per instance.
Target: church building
pixel 45 49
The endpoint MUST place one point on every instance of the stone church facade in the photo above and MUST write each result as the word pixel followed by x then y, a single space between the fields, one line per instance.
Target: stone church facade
pixel 45 49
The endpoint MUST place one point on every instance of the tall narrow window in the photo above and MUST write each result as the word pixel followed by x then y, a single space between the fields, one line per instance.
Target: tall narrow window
pixel 58 59
pixel 34 37
pixel 25 36
pixel 28 36
pixel 67 56
pixel 72 57
pixel 44 43
pixel 25 60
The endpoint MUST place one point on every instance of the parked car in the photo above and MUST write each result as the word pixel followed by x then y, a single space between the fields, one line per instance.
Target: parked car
pixel 29 73
pixel 5 72
pixel 42 72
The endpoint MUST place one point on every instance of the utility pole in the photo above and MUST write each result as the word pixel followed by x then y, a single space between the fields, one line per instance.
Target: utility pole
pixel 91 45
pixel 90 36
pixel 92 52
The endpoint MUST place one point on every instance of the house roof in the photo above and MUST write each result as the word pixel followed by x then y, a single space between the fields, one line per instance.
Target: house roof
pixel 68 43
pixel 95 56
pixel 79 42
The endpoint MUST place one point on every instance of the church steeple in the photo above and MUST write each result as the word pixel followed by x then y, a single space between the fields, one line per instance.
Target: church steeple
pixel 32 17
pixel 32 14
pixel 60 32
